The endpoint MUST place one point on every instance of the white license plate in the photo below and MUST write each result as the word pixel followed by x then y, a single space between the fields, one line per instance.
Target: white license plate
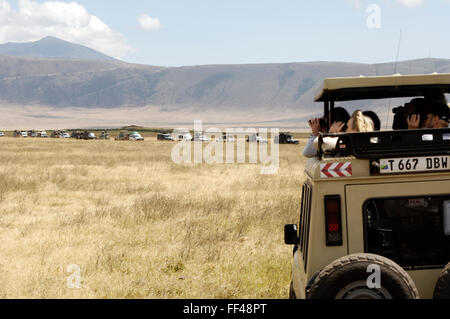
pixel 414 164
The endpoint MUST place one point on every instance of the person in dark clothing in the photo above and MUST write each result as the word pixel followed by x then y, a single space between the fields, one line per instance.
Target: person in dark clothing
pixel 437 116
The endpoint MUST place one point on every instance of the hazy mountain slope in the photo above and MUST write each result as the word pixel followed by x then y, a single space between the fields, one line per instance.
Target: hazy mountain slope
pixel 91 84
pixel 51 47
pixel 84 83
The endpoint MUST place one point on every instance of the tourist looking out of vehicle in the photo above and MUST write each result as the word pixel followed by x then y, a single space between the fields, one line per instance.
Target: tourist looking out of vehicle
pixel 357 123
pixel 375 119
pixel 318 125
pixel 437 116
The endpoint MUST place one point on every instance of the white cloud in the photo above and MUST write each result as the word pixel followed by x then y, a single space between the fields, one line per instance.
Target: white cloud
pixel 411 3
pixel 34 20
pixel 148 23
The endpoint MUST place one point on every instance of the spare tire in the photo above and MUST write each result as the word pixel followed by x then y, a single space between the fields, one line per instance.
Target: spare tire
pixel 442 289
pixel 346 278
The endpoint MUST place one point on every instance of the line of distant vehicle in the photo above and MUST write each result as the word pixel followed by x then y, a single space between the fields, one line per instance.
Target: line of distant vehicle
pixel 77 134
pixel 282 138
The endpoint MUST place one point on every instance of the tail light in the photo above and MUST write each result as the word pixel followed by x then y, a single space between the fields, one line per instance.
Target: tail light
pixel 333 221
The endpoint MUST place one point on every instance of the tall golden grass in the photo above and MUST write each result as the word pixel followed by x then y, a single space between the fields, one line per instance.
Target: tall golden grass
pixel 140 226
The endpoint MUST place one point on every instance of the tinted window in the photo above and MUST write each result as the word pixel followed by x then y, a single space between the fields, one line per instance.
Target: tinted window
pixel 408 230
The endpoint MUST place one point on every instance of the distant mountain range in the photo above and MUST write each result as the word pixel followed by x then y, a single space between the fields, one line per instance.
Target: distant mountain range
pixel 100 82
pixel 51 47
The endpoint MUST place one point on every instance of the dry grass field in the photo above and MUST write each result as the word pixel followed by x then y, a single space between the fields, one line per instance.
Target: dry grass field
pixel 140 226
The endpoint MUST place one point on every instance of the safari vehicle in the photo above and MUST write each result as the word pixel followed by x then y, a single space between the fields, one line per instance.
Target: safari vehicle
pixel 65 134
pixel 86 135
pixel 123 136
pixel 285 138
pixel 198 137
pixel 42 134
pixel 165 137
pixel 61 134
pixel 187 137
pixel 104 135
pixel 228 138
pixel 32 133
pixel 376 207
pixel 20 133
pixel 256 139
pixel 77 135
pixel 135 136
pixel 89 136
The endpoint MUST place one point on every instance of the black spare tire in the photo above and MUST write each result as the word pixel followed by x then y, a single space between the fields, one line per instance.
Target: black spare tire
pixel 347 278
pixel 442 289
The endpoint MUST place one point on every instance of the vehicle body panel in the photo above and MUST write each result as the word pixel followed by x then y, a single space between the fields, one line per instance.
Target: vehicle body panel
pixel 359 193
pixel 185 137
pixel 136 136
pixel 165 137
pixel 354 191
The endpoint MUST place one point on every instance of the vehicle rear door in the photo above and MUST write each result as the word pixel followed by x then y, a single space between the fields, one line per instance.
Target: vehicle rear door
pixel 403 221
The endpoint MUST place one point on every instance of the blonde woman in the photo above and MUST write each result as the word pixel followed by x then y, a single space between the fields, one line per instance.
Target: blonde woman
pixel 358 123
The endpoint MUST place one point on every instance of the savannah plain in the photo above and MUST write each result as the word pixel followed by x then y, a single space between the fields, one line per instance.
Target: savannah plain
pixel 139 225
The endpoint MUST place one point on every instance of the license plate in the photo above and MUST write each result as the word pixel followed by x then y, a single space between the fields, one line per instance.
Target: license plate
pixel 414 164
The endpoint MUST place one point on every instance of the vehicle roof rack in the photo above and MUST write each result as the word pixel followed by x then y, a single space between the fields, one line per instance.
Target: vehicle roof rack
pixel 400 143
pixel 382 87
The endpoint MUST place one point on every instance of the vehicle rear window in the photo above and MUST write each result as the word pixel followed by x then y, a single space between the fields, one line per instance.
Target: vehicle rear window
pixel 408 230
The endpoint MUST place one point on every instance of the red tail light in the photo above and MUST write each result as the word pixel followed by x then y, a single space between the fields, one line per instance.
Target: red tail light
pixel 333 221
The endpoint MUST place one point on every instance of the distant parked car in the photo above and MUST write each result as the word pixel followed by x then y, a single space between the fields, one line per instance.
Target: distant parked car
pixel 42 134
pixel 32 133
pixel 123 136
pixel 200 138
pixel 77 134
pixel 285 138
pixel 228 138
pixel 185 137
pixel 165 137
pixel 56 134
pixel 65 135
pixel 20 134
pixel 86 135
pixel 2 134
pixel 135 136
pixel 104 135
pixel 257 138
pixel 90 136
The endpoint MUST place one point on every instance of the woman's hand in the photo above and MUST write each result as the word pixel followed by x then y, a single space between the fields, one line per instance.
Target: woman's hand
pixel 336 127
pixel 413 122
pixel 315 126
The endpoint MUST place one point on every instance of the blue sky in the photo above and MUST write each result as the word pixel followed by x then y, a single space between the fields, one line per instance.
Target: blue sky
pixel 233 32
